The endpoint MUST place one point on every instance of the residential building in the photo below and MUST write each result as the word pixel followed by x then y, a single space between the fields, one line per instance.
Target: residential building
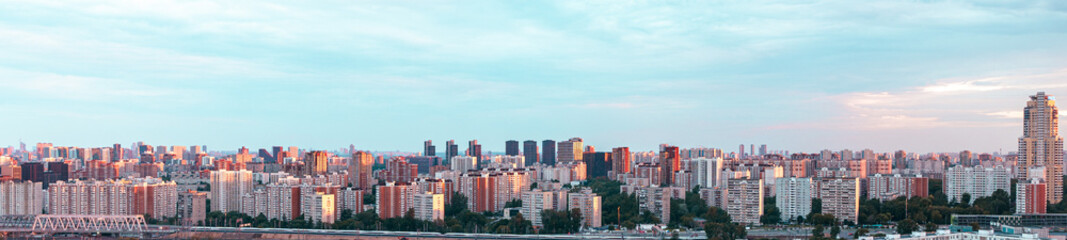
pixel 1041 144
pixel 793 197
pixel 743 200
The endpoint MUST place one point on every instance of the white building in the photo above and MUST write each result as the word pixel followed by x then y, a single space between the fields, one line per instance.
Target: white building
pixel 321 208
pixel 21 198
pixel 227 188
pixel 840 197
pixel 794 197
pixel 743 200
pixel 978 182
pixel 462 164
pixel 429 206
pixel 533 203
pixel 589 204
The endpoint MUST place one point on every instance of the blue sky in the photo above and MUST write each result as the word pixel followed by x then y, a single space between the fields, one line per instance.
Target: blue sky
pixel 386 75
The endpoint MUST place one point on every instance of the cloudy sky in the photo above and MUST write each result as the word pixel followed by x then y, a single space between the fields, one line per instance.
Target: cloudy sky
pixel 385 75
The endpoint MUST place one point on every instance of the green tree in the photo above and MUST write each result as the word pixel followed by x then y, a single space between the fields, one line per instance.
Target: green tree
pixel 930 227
pixel 860 232
pixel 818 231
pixel 907 226
pixel 724 231
pixel 835 231
pixel 457 206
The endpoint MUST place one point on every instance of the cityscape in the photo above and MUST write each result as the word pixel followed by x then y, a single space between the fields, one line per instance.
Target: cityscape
pixel 550 187
pixel 822 120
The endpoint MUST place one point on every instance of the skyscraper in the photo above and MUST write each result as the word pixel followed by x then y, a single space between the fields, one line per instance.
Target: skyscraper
pixel 315 163
pixel 511 148
pixel 359 170
pixel 529 151
pixel 451 149
pixel 475 150
pixel 669 162
pixel 116 153
pixel 597 164
pixel 428 149
pixel 620 158
pixel 763 149
pixel 548 152
pixel 570 150
pixel 1041 144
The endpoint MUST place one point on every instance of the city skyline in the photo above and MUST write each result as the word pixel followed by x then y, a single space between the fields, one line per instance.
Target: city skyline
pixel 924 77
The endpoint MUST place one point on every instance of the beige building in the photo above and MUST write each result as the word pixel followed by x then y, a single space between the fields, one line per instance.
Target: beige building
pixel 589 204
pixel 21 198
pixel 534 202
pixel 429 206
pixel 743 200
pixel 840 197
pixel 1041 144
pixel 227 188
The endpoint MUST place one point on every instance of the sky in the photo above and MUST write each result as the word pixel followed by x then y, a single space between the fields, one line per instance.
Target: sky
pixel 924 76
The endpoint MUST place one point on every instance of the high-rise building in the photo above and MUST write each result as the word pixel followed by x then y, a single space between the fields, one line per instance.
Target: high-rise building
pixel 475 150
pixel 621 160
pixel 741 151
pixel 763 149
pixel 840 197
pixel 1030 197
pixel 511 148
pixel 529 150
pixel 889 187
pixel 451 149
pixel 116 153
pixel 570 150
pixel 588 203
pixel 463 164
pixel 793 197
pixel 315 163
pixel 967 158
pixel 743 200
pixel 428 149
pixel 359 170
pixel 978 181
pixel 322 208
pixel 548 152
pixel 21 198
pixel 900 159
pixel 656 200
pixel 429 206
pixel 192 207
pixel 227 187
pixel 669 161
pixel 534 202
pixel 597 164
pixel 394 199
pixel 1041 144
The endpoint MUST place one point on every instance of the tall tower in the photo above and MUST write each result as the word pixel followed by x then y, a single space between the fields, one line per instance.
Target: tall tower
pixel 511 148
pixel 451 149
pixel 1041 144
pixel 315 163
pixel 669 162
pixel 428 149
pixel 529 150
pixel 548 152
pixel 359 170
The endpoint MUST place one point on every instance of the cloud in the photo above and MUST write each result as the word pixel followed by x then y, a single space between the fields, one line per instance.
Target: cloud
pixel 1007 114
pixel 50 85
pixel 952 103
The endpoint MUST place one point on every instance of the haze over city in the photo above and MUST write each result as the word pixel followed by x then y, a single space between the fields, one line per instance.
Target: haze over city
pixel 798 76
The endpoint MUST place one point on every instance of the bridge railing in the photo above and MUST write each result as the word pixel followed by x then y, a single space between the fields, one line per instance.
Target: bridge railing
pixel 89 223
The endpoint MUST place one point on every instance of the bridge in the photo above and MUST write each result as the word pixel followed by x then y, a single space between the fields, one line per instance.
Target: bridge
pixel 76 224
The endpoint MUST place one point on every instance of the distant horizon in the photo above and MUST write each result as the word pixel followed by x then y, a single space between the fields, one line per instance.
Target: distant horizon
pixel 919 76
